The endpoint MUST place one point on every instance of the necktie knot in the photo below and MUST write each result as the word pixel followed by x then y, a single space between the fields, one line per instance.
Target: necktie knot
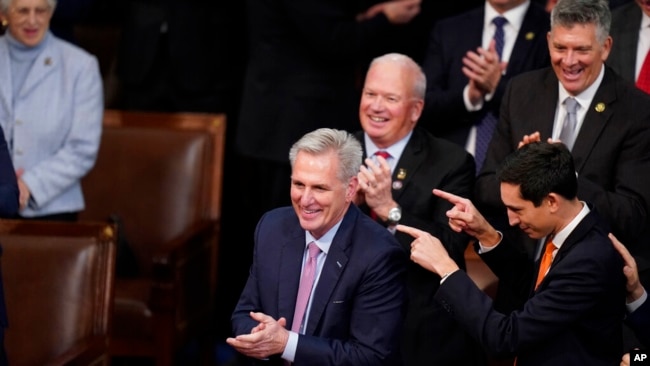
pixel 384 154
pixel 571 105
pixel 499 21
pixel 314 250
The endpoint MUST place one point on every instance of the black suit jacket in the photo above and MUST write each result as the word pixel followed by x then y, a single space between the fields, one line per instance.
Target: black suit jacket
pixel 302 71
pixel 358 302
pixel 194 58
pixel 611 152
pixel 8 208
pixel 445 113
pixel 626 22
pixel 573 318
pixel 639 321
pixel 430 335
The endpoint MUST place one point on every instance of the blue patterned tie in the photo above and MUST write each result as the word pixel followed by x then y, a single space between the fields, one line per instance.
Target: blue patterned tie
pixel 487 124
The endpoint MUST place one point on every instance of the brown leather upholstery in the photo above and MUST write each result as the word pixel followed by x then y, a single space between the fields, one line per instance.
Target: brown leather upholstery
pixel 479 272
pixel 161 174
pixel 59 280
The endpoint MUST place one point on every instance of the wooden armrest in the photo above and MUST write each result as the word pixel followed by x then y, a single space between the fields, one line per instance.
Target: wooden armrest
pixel 177 251
pixel 191 250
pixel 88 351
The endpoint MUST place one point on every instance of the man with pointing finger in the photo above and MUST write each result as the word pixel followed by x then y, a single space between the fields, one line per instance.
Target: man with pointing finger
pixel 577 290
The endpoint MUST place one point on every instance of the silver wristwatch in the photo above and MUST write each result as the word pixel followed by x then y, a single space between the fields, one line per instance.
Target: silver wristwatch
pixel 394 215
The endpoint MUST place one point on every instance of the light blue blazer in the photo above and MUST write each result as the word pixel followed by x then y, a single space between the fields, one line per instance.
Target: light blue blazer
pixel 53 127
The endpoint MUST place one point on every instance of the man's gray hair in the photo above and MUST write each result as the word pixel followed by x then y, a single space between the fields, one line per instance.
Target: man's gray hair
pixel 567 13
pixel 325 140
pixel 420 80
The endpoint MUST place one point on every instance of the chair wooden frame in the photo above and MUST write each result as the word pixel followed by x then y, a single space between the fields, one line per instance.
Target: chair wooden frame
pixel 195 246
pixel 92 247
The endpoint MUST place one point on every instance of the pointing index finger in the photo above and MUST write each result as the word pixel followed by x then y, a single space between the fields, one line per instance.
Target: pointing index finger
pixel 416 233
pixel 452 198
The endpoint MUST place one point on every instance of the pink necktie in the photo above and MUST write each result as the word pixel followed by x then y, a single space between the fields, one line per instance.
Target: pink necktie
pixel 306 284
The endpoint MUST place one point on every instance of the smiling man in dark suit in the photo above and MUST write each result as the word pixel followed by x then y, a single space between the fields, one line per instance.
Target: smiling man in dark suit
pixel 611 139
pixel 576 292
pixel 397 189
pixel 355 308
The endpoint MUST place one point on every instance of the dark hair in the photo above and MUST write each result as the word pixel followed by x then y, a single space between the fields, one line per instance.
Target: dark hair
pixel 540 168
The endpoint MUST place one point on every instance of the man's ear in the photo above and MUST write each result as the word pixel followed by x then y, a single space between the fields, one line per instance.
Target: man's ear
pixel 552 201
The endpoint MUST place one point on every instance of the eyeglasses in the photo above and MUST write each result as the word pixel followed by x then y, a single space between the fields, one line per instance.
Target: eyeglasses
pixel 38 12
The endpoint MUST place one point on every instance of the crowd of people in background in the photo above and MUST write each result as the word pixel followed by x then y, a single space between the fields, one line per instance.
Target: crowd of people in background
pixel 352 113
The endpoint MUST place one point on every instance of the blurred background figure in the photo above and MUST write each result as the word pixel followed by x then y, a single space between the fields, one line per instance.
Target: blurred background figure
pixel 51 110
pixel 630 55
pixel 467 73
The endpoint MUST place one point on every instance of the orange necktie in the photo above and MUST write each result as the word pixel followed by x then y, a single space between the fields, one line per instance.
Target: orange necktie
pixel 547 258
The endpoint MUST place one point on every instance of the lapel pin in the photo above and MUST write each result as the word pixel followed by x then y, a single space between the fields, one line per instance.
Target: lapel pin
pixel 401 173
pixel 530 36
pixel 397 184
pixel 48 61
pixel 600 107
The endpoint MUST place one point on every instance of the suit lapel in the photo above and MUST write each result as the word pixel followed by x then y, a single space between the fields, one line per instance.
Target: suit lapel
pixel 575 237
pixel 5 75
pixel 410 161
pixel 598 114
pixel 333 268
pixel 543 117
pixel 629 38
pixel 523 43
pixel 46 62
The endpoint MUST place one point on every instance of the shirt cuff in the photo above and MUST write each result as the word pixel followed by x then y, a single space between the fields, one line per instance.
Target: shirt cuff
pixel 289 353
pixel 637 303
pixel 483 249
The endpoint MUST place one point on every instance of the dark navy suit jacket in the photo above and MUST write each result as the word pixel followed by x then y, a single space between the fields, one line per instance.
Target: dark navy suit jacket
pixel 8 208
pixel 358 304
pixel 574 316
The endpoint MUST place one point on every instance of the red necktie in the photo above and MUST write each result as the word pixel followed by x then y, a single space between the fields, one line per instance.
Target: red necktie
pixel 547 258
pixel 643 82
pixel 384 154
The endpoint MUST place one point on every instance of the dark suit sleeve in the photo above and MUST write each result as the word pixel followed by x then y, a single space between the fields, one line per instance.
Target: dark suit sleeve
pixel 576 286
pixel 444 109
pixel 639 321
pixel 8 182
pixel 458 180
